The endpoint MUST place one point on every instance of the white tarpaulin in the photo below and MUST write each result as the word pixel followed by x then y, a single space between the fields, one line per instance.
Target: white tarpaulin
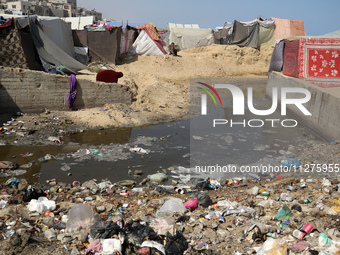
pixel 145 46
pixel 172 25
pixel 187 38
pixel 78 23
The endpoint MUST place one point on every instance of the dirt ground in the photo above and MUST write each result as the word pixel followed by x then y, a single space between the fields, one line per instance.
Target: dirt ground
pixel 161 85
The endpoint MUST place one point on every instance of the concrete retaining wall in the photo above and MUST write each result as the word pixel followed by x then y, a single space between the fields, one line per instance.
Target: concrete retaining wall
pixel 31 92
pixel 324 105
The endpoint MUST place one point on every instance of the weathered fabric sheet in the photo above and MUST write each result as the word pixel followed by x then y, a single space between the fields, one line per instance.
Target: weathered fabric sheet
pixel 245 36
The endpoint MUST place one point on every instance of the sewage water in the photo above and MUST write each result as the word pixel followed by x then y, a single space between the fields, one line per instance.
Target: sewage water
pixel 106 154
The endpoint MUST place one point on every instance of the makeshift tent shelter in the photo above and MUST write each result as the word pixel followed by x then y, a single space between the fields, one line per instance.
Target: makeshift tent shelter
pixel 129 35
pixel 79 23
pixel 118 24
pixel 148 42
pixel 259 32
pixel 285 28
pixel 187 38
pixel 102 45
pixel 51 53
pixel 59 32
pixel 170 26
pixel 222 36
pixel 253 34
pixel 11 50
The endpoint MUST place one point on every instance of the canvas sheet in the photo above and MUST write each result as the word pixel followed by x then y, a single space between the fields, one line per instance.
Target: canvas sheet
pixel 222 36
pixel 285 28
pixel 188 38
pixel 60 33
pixel 165 38
pixel 276 61
pixel 78 23
pixel 129 35
pixel 145 46
pixel 245 36
pixel 51 53
pixel 266 36
pixel 11 51
pixel 33 60
pixel 151 30
pixel 104 45
pixel 172 25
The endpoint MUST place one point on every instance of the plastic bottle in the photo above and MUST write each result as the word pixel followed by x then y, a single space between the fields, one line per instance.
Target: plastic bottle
pixel 53 223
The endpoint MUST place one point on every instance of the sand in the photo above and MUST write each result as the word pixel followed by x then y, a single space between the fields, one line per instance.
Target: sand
pixel 161 85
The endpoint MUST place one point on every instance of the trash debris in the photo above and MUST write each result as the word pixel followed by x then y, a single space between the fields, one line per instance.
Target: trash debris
pixel 173 205
pixel 157 177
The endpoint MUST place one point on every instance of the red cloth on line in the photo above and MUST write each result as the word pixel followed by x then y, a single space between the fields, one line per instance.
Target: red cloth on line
pixel 109 76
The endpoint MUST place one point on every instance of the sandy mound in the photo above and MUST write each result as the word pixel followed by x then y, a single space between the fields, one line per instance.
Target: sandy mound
pixel 161 85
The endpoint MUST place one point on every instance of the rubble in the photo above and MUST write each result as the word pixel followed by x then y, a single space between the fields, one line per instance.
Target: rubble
pixel 98 217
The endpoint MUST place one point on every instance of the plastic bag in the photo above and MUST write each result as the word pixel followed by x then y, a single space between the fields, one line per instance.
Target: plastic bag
pixel 137 233
pixel 110 246
pixel 104 229
pixel 80 215
pixel 32 193
pixel 174 205
pixel 204 185
pixel 158 177
pixel 41 205
pixel 203 199
pixel 176 244
pixel 273 247
pixel 284 214
pixel 152 244
pixel 191 204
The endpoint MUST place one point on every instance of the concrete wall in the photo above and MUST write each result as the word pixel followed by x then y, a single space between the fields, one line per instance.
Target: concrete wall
pixel 32 91
pixel 324 105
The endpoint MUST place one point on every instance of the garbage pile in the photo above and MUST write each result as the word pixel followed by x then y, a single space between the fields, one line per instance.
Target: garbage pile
pixel 279 215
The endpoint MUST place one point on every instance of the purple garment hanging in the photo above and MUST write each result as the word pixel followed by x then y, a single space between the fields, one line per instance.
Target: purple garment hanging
pixel 71 97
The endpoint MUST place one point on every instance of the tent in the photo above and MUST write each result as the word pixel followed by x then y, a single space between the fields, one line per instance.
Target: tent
pixel 102 45
pixel 285 28
pixel 259 32
pixel 129 35
pixel 59 32
pixel 11 50
pixel 172 25
pixel 148 42
pixel 51 53
pixel 78 23
pixel 187 38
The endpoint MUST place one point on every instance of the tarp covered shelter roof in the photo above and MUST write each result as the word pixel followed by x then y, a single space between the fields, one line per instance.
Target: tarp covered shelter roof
pixel 59 32
pixel 187 38
pixel 51 53
pixel 78 23
pixel 102 45
pixel 172 25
